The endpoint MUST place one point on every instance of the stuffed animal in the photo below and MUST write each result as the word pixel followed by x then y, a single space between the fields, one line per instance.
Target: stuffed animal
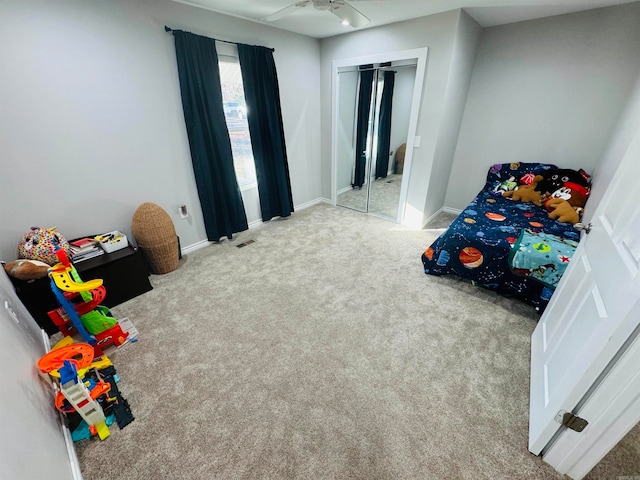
pixel 27 269
pixel 527 192
pixel 563 192
pixel 41 244
pixel 561 210
pixel 566 204
pixel 505 186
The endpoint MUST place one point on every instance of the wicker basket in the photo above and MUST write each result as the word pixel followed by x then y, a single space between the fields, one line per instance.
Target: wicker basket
pixel 156 237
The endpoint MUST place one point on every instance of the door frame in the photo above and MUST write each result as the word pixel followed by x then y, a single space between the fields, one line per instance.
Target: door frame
pixel 418 54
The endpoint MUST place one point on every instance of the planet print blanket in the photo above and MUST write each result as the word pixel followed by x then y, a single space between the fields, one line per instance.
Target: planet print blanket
pixel 478 243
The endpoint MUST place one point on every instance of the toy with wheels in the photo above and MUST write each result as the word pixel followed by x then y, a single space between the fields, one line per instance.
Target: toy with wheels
pixel 91 390
pixel 67 360
pixel 80 308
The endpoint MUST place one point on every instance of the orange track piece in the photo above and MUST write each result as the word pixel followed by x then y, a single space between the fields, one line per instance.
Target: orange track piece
pixel 55 358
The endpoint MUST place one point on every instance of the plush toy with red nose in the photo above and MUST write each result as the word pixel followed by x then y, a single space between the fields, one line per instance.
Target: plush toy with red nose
pixel 566 203
pixel 562 191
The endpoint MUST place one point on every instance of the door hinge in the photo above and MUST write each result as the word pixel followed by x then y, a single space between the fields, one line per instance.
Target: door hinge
pixel 571 421
pixel 582 227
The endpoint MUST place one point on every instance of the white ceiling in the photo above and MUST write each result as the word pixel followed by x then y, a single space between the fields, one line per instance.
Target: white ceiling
pixel 320 24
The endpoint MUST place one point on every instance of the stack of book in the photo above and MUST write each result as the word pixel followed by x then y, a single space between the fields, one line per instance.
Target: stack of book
pixel 84 249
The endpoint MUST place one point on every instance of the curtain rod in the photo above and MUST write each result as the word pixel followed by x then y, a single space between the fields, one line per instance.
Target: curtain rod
pixel 170 30
pixel 393 69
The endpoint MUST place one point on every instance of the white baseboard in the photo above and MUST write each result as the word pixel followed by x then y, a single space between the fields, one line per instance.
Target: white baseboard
pixel 255 223
pixel 195 246
pixel 204 243
pixel 71 451
pixel 302 206
pixel 453 211
pixel 434 215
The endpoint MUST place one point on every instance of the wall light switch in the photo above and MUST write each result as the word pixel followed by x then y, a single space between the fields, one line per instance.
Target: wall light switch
pixel 417 141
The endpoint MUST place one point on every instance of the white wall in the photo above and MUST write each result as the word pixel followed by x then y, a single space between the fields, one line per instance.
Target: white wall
pixel 92 126
pixel 627 126
pixel 442 34
pixel 92 123
pixel 32 444
pixel 548 90
pixel 462 65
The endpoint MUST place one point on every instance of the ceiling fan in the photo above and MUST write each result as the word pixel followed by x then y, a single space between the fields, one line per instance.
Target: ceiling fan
pixel 340 8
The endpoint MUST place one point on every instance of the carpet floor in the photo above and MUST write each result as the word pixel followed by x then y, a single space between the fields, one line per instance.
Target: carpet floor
pixel 322 351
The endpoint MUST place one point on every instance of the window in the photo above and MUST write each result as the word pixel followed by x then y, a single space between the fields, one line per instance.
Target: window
pixel 235 113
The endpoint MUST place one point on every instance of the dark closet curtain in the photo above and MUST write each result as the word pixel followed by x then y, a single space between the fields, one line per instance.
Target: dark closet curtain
pixel 384 125
pixel 262 95
pixel 211 155
pixel 362 125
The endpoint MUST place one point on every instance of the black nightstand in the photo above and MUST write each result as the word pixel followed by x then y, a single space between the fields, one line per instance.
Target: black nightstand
pixel 123 272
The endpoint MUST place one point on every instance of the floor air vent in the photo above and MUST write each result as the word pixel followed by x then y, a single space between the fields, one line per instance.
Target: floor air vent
pixel 244 244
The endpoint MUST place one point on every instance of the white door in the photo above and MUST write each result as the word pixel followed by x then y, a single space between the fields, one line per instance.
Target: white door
pixel 612 410
pixel 587 320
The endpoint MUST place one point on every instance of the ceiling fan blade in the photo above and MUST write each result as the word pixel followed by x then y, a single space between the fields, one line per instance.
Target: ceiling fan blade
pixel 286 11
pixel 348 14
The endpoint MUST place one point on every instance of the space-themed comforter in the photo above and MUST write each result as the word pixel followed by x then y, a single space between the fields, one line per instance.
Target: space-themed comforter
pixel 478 244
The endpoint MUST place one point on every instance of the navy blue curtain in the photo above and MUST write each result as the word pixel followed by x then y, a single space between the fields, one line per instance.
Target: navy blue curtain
pixel 211 155
pixel 384 125
pixel 362 125
pixel 264 117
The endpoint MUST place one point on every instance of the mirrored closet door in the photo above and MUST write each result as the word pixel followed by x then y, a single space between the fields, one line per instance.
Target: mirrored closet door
pixel 373 111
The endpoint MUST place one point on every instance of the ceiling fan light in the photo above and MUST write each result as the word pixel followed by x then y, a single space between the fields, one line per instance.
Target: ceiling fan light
pixel 346 13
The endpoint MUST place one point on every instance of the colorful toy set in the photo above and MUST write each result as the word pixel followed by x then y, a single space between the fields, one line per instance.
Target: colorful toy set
pixel 80 310
pixel 88 394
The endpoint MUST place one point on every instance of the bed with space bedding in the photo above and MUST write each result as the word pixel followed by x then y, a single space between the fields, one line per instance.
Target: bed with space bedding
pixel 510 246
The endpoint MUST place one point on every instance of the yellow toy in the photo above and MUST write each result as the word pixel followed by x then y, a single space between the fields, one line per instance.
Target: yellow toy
pixel 61 275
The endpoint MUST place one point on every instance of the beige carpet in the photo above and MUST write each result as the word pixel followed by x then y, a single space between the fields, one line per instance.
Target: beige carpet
pixel 322 351
pixel 384 197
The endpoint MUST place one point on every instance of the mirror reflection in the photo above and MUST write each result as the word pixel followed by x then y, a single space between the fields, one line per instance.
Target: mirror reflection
pixel 374 105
